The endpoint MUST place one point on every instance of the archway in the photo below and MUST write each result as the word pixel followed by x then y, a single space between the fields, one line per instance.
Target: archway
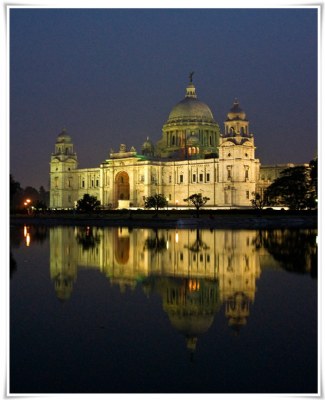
pixel 122 187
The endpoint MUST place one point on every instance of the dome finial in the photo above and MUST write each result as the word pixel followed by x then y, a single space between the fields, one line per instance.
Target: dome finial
pixel 190 90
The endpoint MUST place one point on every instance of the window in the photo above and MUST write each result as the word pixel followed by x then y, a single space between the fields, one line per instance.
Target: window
pixel 92 183
pixel 83 184
pixel 246 173
pixel 208 177
pixel 181 179
pixel 97 182
pixel 194 178
pixel 201 177
pixel 229 173
pixel 170 197
pixel 210 139
pixel 170 179
pixel 247 194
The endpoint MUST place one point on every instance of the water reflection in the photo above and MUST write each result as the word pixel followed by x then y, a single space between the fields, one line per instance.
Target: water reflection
pixel 295 250
pixel 187 290
pixel 195 272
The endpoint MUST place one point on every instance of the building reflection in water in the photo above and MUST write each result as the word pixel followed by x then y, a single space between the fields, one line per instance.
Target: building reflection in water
pixel 194 271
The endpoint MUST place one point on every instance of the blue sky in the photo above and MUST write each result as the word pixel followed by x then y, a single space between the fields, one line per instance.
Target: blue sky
pixel 112 76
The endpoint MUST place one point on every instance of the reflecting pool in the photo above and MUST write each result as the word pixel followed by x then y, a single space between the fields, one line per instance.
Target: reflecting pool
pixel 118 310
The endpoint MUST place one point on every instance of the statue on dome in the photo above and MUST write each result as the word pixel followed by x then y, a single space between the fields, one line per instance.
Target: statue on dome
pixel 191 76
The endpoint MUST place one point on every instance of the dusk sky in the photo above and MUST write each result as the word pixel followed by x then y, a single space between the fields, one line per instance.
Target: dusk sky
pixel 112 76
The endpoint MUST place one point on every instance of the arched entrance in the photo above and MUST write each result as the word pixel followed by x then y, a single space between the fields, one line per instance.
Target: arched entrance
pixel 122 187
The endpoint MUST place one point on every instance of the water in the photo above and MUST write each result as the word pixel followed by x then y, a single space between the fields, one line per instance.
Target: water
pixel 106 310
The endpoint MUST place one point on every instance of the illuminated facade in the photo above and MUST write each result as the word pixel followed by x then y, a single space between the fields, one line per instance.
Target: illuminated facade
pixel 192 156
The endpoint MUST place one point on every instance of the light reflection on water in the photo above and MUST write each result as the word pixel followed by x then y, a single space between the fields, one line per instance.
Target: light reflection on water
pixel 199 276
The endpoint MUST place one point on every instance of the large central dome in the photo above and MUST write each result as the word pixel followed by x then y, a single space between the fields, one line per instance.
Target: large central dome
pixel 190 109
pixel 190 130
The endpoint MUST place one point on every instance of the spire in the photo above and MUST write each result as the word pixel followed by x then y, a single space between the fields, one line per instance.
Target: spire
pixel 190 90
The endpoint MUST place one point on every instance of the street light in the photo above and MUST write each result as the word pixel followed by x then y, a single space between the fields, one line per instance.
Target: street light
pixel 26 204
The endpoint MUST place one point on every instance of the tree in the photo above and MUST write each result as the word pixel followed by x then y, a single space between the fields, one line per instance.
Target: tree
pixel 88 203
pixel 198 201
pixel 44 195
pixel 15 193
pixel 156 201
pixel 293 189
pixel 40 206
pixel 258 202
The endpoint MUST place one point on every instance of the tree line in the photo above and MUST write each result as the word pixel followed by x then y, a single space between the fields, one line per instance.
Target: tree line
pixel 23 199
pixel 295 188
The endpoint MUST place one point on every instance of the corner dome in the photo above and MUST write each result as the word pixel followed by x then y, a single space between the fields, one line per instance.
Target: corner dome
pixel 147 144
pixel 190 109
pixel 236 112
pixel 63 137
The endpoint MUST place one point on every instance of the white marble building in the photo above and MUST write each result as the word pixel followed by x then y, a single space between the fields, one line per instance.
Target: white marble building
pixel 192 156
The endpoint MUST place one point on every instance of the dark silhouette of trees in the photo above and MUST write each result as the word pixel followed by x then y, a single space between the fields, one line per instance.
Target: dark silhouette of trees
pixel 156 201
pixel 296 188
pixel 88 203
pixel 198 201
pixel 258 201
pixel 15 193
pixel 18 196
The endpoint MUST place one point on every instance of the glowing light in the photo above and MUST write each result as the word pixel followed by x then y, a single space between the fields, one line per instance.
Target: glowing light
pixel 193 285
pixel 167 245
pixel 25 230
pixel 27 239
pixel 176 237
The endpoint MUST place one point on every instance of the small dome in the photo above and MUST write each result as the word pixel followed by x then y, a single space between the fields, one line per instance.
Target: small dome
pixel 148 148
pixel 236 112
pixel 63 137
pixel 147 144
